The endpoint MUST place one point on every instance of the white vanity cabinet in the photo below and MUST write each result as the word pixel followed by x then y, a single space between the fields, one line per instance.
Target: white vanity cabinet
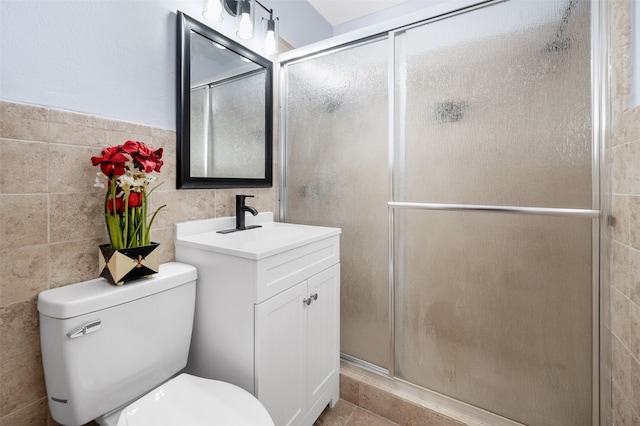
pixel 267 312
pixel 296 348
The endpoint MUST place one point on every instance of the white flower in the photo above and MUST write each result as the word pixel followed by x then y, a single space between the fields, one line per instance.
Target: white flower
pixel 133 182
pixel 99 180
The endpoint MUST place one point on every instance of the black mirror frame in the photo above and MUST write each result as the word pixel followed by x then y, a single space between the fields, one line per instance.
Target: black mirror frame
pixel 184 180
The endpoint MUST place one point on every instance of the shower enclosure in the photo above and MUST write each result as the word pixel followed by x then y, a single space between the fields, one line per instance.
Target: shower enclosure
pixel 461 157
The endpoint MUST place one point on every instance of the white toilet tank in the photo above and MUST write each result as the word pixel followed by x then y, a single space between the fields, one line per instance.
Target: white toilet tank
pixel 104 345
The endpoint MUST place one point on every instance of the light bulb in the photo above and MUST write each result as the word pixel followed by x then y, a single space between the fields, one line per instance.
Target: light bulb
pixel 213 11
pixel 270 44
pixel 245 28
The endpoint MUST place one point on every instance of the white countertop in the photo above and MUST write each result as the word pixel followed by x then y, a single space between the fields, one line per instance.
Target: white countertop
pixel 256 243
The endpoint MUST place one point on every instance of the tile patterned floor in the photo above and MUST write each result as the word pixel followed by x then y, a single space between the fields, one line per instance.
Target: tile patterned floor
pixel 347 414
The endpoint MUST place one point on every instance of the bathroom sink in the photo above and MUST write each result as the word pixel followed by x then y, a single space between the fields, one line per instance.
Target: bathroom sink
pixel 269 239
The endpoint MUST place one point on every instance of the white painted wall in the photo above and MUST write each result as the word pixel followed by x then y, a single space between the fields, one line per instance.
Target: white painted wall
pixel 113 58
pixel 403 9
pixel 117 58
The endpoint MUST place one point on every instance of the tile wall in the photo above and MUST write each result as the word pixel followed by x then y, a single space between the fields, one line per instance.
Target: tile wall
pixel 51 224
pixel 625 278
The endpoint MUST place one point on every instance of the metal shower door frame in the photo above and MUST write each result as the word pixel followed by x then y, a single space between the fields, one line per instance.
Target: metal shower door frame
pixel 601 186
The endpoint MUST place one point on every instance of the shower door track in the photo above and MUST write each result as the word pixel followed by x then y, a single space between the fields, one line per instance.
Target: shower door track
pixel 543 211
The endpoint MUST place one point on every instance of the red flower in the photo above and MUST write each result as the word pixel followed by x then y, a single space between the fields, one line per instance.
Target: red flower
pixel 125 167
pixel 119 205
pixel 112 161
pixel 143 156
pixel 135 199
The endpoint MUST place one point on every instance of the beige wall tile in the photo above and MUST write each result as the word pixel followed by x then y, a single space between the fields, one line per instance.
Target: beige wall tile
pixel 336 416
pixel 19 332
pixel 24 220
pixel 620 210
pixel 634 395
pixel 23 167
pixel 621 71
pixel 620 277
pixel 27 122
pixel 176 210
pixel 74 261
pixel 71 134
pixel 633 132
pixel 399 410
pixel 634 330
pixel 634 222
pixel 71 170
pixel 634 171
pixel 22 381
pixel 621 364
pixel 118 126
pixel 623 414
pixel 620 316
pixel 166 139
pixel 620 22
pixel 119 138
pixel 634 275
pixel 24 272
pixel 34 414
pixel 28 112
pixel 77 119
pixel 376 400
pixel 202 204
pixel 77 217
pixel 226 202
pixel 24 129
pixel 165 237
pixel 51 238
pixel 361 417
pixel 267 201
pixel 349 389
pixel 163 138
pixel 620 163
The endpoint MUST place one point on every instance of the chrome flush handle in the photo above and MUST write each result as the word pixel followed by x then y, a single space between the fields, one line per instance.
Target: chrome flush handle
pixel 90 327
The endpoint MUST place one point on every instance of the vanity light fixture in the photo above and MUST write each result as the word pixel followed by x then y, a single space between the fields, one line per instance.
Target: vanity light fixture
pixel 245 16
pixel 213 11
pixel 244 12
pixel 270 46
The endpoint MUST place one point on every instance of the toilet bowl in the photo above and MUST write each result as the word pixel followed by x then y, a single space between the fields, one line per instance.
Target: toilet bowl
pixel 193 401
pixel 111 354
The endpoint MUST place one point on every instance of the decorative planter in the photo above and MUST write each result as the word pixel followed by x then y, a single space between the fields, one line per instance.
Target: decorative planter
pixel 118 266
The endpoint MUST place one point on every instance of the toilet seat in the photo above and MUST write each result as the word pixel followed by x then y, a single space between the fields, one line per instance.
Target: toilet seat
pixel 195 401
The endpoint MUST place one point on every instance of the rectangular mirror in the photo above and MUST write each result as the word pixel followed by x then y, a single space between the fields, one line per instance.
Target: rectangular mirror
pixel 224 111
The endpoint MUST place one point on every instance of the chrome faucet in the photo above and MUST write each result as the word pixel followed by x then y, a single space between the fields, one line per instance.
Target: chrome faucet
pixel 241 209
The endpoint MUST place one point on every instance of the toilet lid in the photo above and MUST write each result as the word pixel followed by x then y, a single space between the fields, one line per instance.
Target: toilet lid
pixel 194 401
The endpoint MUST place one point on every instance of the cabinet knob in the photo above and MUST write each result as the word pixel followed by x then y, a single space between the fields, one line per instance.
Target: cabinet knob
pixel 311 298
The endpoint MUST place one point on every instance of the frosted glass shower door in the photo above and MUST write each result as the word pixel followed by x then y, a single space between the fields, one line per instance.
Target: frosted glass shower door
pixel 493 108
pixel 337 175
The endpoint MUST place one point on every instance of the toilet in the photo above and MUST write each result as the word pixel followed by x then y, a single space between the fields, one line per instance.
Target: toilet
pixel 111 354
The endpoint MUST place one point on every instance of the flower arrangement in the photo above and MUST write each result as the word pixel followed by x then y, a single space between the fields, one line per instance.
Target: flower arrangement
pixel 126 169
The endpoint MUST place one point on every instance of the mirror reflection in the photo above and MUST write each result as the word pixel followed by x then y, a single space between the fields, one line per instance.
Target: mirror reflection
pixel 224 119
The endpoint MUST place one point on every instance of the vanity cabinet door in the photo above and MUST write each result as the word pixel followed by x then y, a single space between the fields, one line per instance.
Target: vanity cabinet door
pixel 323 335
pixel 280 355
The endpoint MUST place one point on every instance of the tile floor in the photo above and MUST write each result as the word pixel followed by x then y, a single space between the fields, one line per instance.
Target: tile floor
pixel 348 414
